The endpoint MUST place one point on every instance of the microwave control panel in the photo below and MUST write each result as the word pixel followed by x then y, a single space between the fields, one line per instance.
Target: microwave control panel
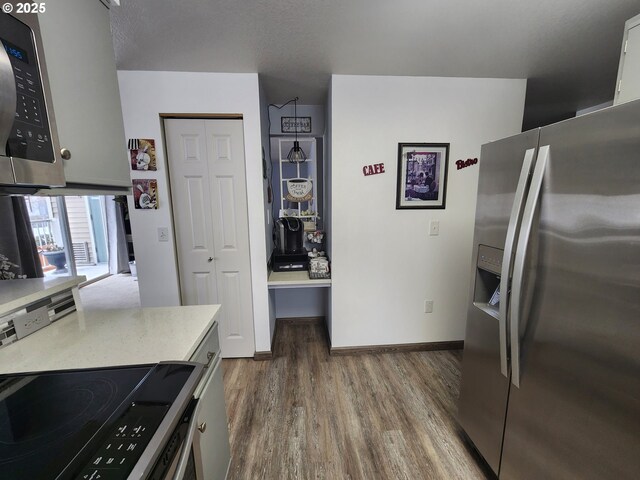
pixel 30 135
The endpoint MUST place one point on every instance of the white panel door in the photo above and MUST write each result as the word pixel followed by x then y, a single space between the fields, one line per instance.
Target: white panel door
pixel 208 189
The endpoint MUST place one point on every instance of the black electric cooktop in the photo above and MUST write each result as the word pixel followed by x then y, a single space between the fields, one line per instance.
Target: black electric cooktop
pixel 83 423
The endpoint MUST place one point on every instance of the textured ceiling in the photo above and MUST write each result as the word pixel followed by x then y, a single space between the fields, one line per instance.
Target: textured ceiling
pixel 568 49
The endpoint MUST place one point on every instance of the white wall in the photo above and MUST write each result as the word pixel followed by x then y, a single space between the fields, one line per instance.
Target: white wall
pixel 268 225
pixel 384 263
pixel 328 200
pixel 144 96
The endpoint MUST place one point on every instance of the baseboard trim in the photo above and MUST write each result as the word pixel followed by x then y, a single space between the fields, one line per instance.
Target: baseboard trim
pixel 397 348
pixel 260 356
pixel 300 320
pixel 268 355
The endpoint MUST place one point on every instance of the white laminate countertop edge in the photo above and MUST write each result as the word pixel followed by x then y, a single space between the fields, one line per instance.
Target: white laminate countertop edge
pixel 298 279
pixel 15 294
pixel 103 338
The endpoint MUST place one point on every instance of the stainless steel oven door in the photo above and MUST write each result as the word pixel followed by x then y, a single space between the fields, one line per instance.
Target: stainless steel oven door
pixel 205 454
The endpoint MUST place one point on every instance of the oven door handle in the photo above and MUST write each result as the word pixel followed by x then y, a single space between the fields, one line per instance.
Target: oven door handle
pixel 187 445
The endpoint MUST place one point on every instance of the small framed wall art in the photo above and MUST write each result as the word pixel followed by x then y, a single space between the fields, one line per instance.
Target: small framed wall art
pixel 422 175
pixel 142 152
pixel 145 194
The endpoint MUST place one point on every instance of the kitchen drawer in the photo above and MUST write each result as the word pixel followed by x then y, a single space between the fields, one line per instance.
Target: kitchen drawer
pixel 209 347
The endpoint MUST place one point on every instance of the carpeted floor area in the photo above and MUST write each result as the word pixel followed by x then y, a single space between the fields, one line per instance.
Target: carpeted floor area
pixel 115 291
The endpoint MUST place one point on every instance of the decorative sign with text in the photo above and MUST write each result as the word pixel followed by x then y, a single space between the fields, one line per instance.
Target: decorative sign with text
pixel 299 190
pixel 295 124
pixel 464 164
pixel 374 169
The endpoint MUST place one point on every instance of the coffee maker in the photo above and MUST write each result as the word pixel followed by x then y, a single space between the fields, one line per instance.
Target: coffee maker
pixel 289 253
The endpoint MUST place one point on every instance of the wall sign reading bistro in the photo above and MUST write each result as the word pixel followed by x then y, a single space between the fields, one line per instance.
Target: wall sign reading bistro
pixel 373 169
pixel 464 164
pixel 291 124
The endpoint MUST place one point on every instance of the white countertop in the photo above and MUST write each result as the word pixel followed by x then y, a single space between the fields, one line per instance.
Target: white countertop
pixel 103 338
pixel 15 294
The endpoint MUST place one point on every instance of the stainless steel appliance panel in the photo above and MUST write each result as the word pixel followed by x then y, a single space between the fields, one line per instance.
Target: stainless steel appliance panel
pixel 484 389
pixel 34 157
pixel 576 413
pixel 500 165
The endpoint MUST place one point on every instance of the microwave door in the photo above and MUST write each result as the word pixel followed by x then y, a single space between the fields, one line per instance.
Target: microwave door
pixel 28 138
pixel 7 114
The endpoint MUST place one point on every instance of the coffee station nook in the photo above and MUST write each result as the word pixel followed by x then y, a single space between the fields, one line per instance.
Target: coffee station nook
pixel 299 265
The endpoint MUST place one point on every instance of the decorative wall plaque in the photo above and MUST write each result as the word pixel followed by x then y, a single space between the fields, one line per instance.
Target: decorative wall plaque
pixel 291 124
pixel 299 190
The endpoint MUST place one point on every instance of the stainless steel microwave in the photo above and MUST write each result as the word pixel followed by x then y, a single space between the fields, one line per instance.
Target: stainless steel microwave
pixel 30 156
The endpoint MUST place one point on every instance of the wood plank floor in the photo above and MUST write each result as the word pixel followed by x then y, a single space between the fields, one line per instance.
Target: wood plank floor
pixel 308 415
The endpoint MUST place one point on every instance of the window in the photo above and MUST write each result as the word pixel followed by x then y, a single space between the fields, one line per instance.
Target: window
pixel 70 234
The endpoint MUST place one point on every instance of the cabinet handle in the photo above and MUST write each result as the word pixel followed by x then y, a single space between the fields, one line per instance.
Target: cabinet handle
pixel 210 356
pixel 65 153
pixel 202 427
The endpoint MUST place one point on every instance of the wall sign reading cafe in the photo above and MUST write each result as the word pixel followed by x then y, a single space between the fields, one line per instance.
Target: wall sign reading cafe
pixel 374 169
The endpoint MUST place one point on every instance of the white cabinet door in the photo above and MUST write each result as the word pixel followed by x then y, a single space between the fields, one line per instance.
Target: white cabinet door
pixel 84 91
pixel 212 436
pixel 628 87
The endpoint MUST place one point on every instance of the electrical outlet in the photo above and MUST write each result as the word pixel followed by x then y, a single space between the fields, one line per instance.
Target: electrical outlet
pixel 163 234
pixel 434 227
pixel 428 306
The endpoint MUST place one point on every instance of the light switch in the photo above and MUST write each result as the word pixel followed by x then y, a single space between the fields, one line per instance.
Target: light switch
pixel 434 227
pixel 163 234
pixel 428 306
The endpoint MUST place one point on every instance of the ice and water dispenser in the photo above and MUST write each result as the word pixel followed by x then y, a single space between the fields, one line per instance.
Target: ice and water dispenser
pixel 486 294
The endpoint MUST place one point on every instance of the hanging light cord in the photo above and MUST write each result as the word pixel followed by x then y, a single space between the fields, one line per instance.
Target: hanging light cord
pixel 270 166
pixel 296 154
pixel 295 119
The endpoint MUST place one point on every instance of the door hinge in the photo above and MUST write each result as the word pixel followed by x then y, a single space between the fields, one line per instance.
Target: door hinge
pixel 626 42
pixel 619 86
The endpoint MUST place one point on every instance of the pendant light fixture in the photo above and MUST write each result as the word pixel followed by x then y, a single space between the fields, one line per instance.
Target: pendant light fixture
pixel 296 154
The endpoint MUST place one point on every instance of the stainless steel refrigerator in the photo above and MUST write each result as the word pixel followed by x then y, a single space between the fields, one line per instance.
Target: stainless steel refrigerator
pixel 551 365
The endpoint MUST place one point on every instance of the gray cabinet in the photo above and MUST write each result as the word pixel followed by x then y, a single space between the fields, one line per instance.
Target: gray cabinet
pixel 84 90
pixel 628 86
pixel 211 442
pixel 212 438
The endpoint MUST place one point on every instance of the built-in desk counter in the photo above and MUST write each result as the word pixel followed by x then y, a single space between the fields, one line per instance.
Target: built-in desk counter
pixel 295 280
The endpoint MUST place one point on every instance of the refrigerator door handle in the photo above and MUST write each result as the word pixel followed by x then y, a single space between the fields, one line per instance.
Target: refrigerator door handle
pixel 514 218
pixel 520 257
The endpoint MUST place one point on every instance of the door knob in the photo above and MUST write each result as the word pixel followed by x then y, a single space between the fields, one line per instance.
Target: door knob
pixel 202 427
pixel 210 259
